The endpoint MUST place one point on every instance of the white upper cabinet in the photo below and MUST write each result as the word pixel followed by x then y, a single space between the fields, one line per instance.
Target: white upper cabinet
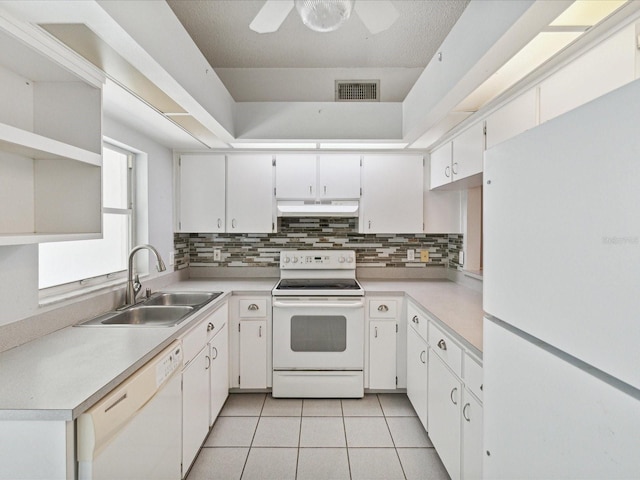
pixel 296 176
pixel 50 145
pixel 460 159
pixel 249 193
pixel 317 177
pixel 515 117
pixel 602 69
pixel 339 176
pixel 441 165
pixel 392 188
pixel 202 193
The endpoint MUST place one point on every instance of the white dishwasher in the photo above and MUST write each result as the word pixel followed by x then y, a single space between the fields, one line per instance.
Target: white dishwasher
pixel 135 432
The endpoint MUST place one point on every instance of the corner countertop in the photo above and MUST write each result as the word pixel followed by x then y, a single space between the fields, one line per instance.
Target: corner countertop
pixel 457 307
pixel 59 376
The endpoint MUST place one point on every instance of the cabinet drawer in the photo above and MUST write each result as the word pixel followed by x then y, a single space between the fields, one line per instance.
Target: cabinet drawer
pixel 418 320
pixel 473 375
pixel 383 308
pixel 195 339
pixel 444 346
pixel 253 308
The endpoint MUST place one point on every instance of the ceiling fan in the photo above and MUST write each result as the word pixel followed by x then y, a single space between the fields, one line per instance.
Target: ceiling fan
pixel 325 15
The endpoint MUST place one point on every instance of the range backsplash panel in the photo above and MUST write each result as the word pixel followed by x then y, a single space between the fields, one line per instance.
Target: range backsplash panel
pixel 263 250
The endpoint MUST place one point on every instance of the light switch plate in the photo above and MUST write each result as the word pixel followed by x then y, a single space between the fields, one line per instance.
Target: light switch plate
pixel 411 254
pixel 172 257
pixel 217 255
pixel 424 255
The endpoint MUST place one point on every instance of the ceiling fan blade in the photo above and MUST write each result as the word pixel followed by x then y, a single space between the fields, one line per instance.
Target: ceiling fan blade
pixel 377 15
pixel 271 16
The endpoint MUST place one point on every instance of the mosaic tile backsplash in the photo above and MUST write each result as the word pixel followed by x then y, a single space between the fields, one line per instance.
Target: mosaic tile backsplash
pixel 263 250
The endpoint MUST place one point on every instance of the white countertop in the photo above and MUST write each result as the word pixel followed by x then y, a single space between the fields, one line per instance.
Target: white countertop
pixel 60 375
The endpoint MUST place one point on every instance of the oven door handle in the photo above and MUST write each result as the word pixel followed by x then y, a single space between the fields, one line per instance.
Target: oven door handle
pixel 354 304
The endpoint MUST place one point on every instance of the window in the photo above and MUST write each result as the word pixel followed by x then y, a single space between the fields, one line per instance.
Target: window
pixel 96 261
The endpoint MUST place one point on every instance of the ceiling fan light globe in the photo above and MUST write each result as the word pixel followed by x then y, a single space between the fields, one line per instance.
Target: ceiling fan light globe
pixel 324 15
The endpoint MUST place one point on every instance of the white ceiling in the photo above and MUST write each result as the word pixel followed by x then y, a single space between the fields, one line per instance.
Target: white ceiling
pixel 298 64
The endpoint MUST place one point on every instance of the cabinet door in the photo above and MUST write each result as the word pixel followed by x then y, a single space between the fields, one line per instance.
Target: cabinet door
pixel 296 176
pixel 471 438
pixel 417 374
pixel 440 165
pixel 468 152
pixel 382 354
pixel 249 194
pixel 219 372
pixel 202 193
pixel 253 354
pixel 195 406
pixel 445 397
pixel 339 176
pixel 392 193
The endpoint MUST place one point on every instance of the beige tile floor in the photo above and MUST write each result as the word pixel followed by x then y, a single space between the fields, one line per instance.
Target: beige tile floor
pixel 259 437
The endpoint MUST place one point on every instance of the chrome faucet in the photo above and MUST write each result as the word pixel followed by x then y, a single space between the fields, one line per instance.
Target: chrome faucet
pixel 134 286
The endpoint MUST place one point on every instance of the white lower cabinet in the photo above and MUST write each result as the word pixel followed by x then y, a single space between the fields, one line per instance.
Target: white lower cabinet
pixel 205 380
pixel 195 407
pixel 253 354
pixel 417 374
pixel 218 372
pixel 471 437
pixel 445 397
pixel 382 354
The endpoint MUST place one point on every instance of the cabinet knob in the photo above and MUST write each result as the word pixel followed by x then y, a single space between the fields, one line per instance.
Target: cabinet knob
pixel 253 307
pixel 210 327
pixel 464 412
pixel 455 389
pixel 442 345
pixel 383 308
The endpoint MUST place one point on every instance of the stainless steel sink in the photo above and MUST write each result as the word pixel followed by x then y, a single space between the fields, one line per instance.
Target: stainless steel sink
pixel 163 309
pixel 143 316
pixel 192 299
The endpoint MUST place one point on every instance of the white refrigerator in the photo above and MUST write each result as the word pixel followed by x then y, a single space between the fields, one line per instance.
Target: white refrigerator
pixel 562 296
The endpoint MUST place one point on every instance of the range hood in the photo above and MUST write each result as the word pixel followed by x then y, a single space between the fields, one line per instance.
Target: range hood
pixel 334 208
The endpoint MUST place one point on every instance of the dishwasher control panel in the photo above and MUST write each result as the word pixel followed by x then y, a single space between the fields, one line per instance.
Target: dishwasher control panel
pixel 168 364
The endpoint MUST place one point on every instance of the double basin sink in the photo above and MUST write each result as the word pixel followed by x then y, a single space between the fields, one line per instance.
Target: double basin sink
pixel 162 309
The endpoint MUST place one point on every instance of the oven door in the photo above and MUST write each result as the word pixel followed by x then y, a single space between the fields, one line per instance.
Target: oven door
pixel 323 333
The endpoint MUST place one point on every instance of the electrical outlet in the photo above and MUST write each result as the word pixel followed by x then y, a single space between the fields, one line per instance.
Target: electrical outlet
pixel 217 255
pixel 461 258
pixel 172 257
pixel 424 256
pixel 411 254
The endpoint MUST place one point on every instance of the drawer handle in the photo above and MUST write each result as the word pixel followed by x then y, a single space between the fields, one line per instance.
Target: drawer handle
pixel 383 308
pixel 464 412
pixel 442 345
pixel 253 307
pixel 455 389
pixel 210 327
pixel 121 399
pixel 415 319
pixel 214 353
pixel 422 359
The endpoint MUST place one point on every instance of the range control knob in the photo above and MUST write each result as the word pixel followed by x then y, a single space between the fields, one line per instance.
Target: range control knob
pixel 287 259
pixel 295 259
pixel 341 260
pixel 350 260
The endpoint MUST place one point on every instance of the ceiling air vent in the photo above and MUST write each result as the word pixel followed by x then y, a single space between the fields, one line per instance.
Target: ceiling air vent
pixel 357 91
